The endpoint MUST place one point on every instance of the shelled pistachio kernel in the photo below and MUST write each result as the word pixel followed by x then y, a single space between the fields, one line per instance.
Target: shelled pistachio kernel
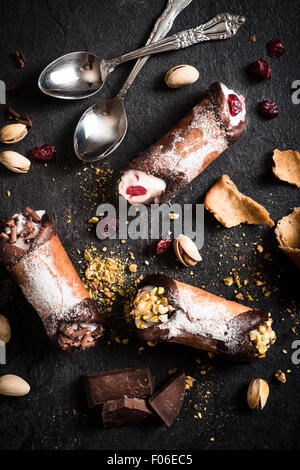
pixel 263 337
pixel 151 307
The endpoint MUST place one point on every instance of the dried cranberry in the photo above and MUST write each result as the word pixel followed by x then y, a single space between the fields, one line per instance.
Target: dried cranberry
pixel 136 190
pixel 235 106
pixel 109 229
pixel 111 224
pixel 275 48
pixel 268 109
pixel 44 153
pixel 261 69
pixel 163 245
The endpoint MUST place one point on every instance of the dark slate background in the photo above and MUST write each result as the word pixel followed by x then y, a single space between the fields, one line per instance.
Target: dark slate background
pixel 46 29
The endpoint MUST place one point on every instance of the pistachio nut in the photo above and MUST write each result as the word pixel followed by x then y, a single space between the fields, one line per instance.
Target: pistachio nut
pixel 258 393
pixel 15 161
pixel 14 386
pixel 181 75
pixel 186 250
pixel 12 133
pixel 5 332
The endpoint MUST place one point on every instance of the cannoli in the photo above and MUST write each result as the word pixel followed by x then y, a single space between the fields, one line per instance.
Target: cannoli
pixel 32 252
pixel 288 235
pixel 168 310
pixel 159 173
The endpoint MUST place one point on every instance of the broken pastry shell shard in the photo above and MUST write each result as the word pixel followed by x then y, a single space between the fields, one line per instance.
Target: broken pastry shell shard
pixel 186 251
pixel 288 235
pixel 287 166
pixel 231 207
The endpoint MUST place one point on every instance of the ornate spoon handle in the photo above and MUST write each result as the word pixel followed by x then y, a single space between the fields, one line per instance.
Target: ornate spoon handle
pixel 223 26
pixel 161 28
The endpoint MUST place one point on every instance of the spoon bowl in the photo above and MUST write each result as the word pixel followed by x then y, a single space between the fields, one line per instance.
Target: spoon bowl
pixel 72 76
pixel 100 130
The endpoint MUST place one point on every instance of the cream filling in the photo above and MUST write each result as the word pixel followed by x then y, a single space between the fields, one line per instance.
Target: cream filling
pixel 155 187
pixel 21 222
pixel 234 120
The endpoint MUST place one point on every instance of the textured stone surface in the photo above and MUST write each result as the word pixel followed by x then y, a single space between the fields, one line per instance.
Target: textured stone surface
pixel 45 30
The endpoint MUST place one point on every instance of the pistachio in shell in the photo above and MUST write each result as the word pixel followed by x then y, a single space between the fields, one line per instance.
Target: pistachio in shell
pixel 12 133
pixel 258 393
pixel 5 332
pixel 186 251
pixel 181 75
pixel 13 386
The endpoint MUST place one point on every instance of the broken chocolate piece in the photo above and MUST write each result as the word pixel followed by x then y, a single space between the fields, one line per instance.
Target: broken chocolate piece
pixel 231 208
pixel 287 166
pixel 288 235
pixel 136 382
pixel 124 411
pixel 167 402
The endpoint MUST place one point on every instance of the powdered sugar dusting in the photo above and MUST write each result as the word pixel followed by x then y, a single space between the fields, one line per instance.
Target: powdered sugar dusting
pixel 48 294
pixel 189 149
pixel 204 317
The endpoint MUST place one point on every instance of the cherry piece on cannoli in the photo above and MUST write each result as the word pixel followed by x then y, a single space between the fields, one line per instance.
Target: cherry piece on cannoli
pixel 168 310
pixel 32 252
pixel 162 171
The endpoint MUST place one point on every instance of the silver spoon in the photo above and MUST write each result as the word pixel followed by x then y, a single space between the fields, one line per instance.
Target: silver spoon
pixel 79 75
pixel 103 126
pixel 92 130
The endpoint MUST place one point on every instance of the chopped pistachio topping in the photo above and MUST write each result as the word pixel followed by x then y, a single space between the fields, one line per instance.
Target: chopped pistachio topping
pixel 263 337
pixel 151 307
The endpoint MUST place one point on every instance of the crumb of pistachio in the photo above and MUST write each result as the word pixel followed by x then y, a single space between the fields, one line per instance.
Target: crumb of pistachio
pixel 239 296
pixel 228 281
pixel 93 220
pixel 280 376
pixel 132 268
